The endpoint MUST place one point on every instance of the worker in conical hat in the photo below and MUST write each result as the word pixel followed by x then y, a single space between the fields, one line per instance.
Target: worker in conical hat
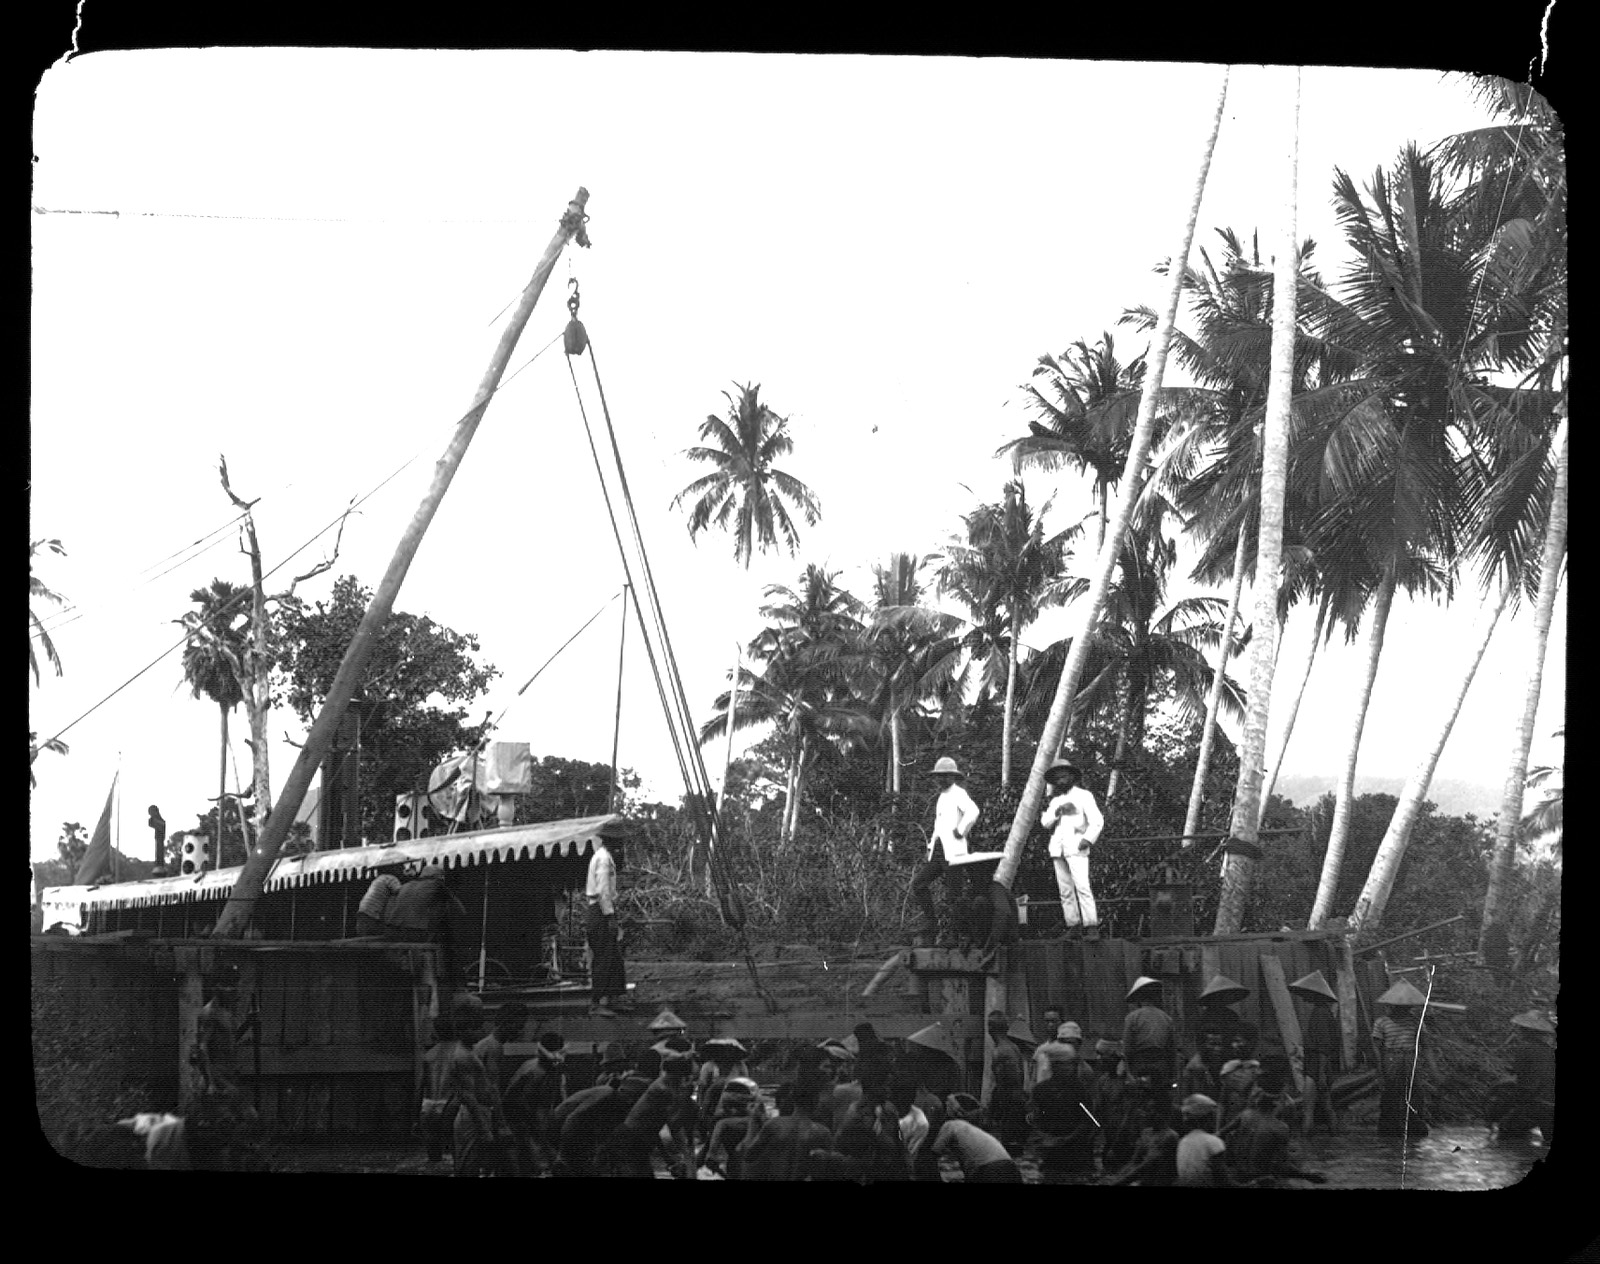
pixel 954 815
pixel 666 1023
pixel 1217 1017
pixel 1527 1100
pixel 1322 1050
pixel 1397 1040
pixel 1073 818
pixel 1149 1043
pixel 1402 995
pixel 1313 986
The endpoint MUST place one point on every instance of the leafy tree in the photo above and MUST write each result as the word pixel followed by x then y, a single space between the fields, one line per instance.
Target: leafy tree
pixel 72 844
pixel 404 733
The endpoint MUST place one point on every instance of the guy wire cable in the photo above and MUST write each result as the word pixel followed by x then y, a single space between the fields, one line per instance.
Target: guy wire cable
pixel 726 890
pixel 672 728
pixel 249 590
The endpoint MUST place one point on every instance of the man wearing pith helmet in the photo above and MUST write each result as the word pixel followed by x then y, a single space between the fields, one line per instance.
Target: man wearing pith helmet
pixel 1075 823
pixel 954 815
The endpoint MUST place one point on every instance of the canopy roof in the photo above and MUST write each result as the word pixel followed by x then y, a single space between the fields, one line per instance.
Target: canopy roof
pixel 545 840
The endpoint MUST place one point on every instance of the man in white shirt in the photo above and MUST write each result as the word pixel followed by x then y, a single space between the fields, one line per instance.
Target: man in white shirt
pixel 1075 823
pixel 606 977
pixel 954 815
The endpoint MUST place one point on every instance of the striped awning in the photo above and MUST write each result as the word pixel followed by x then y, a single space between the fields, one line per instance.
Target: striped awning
pixel 545 840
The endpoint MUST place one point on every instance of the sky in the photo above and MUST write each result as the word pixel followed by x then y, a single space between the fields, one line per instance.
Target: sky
pixel 306 271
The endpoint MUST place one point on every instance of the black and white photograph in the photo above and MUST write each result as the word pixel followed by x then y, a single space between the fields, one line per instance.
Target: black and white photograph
pixel 796 617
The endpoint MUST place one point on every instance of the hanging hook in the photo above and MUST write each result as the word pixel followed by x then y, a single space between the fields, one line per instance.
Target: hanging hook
pixel 575 337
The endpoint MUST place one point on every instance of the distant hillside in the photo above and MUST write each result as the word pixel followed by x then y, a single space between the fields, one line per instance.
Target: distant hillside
pixel 1454 797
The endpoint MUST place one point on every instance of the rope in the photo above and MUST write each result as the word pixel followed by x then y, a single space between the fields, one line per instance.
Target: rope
pixel 677 711
pixel 1416 1054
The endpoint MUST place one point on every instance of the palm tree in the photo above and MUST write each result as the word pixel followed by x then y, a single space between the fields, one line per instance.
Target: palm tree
pixel 1238 867
pixel 809 655
pixel 1138 450
pixel 38 590
pixel 1210 467
pixel 1374 896
pixel 745 494
pixel 1507 828
pixel 912 651
pixel 1140 642
pixel 1086 400
pixel 1007 571
pixel 1455 467
pixel 217 638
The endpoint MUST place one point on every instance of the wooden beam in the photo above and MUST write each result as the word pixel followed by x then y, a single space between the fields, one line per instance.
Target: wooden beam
pixel 191 999
pixel 952 961
pixel 315 1060
pixel 1345 985
pixel 1411 934
pixel 813 1025
pixel 1283 1010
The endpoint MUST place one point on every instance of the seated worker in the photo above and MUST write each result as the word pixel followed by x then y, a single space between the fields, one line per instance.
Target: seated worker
pixel 984 1161
pixel 1060 1049
pixel 727 1126
pixel 1202 1074
pixel 1065 1128
pixel 1238 1075
pixel 1259 1151
pixel 1528 1100
pixel 1200 1150
pixel 1153 1159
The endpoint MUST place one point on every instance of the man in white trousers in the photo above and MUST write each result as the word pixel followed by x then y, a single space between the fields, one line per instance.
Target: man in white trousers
pixel 1074 820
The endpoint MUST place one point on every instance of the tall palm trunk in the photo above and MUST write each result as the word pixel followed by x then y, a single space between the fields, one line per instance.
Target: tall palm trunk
pixel 1132 484
pixel 1124 722
pixel 1011 699
pixel 1294 710
pixel 1509 830
pixel 1344 797
pixel 894 750
pixel 1238 869
pixel 1374 895
pixel 1208 730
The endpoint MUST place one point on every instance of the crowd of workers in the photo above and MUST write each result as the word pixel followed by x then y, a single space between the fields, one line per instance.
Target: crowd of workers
pixel 1128 1111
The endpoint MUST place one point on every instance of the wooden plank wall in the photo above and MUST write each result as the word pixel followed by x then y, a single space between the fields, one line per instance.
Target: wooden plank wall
pixel 338 1047
pixel 1089 979
pixel 126 988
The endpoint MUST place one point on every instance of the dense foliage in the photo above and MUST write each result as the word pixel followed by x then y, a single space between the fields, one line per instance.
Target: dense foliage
pixel 404 733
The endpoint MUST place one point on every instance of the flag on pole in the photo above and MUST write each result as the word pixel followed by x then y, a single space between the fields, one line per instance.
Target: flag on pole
pixel 98 858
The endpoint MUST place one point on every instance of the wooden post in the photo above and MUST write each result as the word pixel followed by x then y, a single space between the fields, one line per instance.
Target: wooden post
pixel 994 998
pixel 1283 1011
pixel 1345 986
pixel 252 878
pixel 191 999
